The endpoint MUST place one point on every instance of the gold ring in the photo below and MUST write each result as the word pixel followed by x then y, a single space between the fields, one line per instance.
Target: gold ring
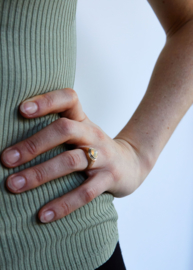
pixel 91 155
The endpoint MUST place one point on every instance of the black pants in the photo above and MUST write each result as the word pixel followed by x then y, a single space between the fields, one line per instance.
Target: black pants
pixel 115 262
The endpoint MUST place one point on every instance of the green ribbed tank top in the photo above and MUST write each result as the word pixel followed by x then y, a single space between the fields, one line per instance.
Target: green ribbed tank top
pixel 38 55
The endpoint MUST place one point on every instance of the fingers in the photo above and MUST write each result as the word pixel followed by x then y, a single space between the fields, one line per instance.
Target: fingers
pixel 64 163
pixel 64 101
pixel 60 131
pixel 66 204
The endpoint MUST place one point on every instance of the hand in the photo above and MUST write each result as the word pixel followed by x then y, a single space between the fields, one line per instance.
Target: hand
pixel 118 168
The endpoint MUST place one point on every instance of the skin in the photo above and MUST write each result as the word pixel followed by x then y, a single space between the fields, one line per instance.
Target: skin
pixel 123 162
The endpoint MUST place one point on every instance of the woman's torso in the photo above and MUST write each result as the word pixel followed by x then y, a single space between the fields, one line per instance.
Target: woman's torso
pixel 38 55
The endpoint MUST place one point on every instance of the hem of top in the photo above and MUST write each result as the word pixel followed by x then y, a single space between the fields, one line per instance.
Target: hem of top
pixel 95 260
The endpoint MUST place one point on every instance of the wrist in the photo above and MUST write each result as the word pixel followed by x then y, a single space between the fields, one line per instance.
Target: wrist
pixel 143 158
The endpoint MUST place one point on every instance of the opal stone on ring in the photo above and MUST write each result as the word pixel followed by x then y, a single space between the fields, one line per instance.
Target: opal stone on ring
pixel 93 154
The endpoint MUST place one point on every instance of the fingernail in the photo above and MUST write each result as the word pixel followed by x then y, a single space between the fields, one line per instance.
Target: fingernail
pixel 47 216
pixel 16 182
pixel 29 107
pixel 11 156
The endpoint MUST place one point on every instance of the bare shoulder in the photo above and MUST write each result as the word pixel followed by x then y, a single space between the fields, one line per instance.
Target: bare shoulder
pixel 172 14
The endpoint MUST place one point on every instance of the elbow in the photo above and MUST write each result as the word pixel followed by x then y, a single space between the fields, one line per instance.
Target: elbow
pixel 178 25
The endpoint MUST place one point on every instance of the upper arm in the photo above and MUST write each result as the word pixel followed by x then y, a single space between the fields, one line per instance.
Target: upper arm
pixel 172 14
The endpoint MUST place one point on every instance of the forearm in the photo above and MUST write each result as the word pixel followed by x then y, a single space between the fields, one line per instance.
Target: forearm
pixel 168 97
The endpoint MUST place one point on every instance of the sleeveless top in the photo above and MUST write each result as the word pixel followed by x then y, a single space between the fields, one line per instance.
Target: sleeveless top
pixel 38 55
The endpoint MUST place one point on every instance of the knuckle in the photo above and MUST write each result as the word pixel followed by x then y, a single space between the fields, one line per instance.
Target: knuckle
pixel 114 174
pixel 73 95
pixel 98 133
pixel 31 147
pixel 89 194
pixel 40 174
pixel 66 208
pixel 48 99
pixel 106 153
pixel 64 126
pixel 73 160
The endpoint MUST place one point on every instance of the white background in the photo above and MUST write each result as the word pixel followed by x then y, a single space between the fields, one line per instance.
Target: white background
pixel 118 43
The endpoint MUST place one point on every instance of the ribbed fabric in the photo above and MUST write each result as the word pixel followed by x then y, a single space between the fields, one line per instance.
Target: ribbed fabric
pixel 38 55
